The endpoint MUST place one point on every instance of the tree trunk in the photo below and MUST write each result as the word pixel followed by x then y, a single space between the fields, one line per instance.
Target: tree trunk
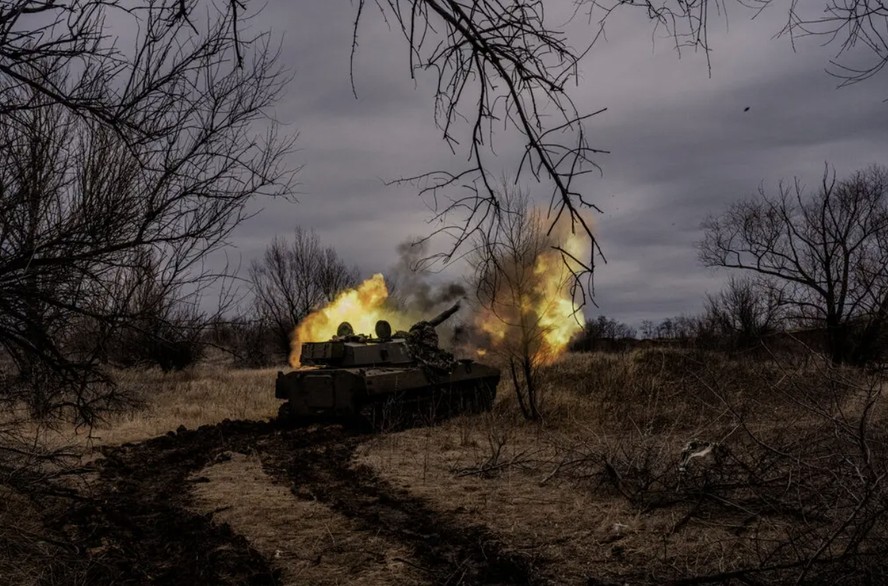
pixel 837 343
pixel 516 380
pixel 532 398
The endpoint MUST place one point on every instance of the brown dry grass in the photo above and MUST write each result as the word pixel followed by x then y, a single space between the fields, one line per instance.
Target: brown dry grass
pixel 199 396
pixel 595 491
pixel 25 553
pixel 307 541
pixel 544 519
pixel 203 395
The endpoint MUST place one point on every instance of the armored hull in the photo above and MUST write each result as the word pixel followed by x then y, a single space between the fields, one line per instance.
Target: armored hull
pixel 384 379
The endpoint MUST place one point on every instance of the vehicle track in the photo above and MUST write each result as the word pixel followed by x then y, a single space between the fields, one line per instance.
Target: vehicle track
pixel 138 527
pixel 447 551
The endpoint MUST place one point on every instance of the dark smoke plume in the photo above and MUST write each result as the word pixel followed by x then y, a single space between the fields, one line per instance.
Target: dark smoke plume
pixel 412 290
pixel 415 291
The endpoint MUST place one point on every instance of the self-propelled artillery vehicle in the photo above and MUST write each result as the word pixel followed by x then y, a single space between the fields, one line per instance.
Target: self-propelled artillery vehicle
pixel 384 378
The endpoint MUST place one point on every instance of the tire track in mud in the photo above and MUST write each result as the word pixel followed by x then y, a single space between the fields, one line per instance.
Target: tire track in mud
pixel 138 527
pixel 447 551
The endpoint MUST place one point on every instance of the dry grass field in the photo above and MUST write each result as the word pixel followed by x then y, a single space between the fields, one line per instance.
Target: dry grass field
pixel 655 466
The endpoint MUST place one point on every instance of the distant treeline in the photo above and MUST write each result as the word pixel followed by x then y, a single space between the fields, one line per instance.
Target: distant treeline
pixel 603 334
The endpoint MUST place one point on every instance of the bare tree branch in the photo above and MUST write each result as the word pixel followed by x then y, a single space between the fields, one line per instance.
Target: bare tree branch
pixel 497 63
pixel 293 279
pixel 110 159
pixel 849 24
pixel 828 251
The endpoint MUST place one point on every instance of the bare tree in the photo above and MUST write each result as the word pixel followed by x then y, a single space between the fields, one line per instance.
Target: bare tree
pixel 648 329
pixel 159 150
pixel 498 63
pixel 828 251
pixel 74 36
pixel 744 312
pixel 851 24
pixel 501 64
pixel 602 333
pixel 666 328
pixel 158 324
pixel 293 278
pixel 507 288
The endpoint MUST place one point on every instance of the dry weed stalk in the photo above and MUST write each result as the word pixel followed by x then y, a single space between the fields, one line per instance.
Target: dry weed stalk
pixel 499 456
pixel 790 467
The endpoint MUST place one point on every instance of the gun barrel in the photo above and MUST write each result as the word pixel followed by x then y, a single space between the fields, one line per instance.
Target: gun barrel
pixel 438 319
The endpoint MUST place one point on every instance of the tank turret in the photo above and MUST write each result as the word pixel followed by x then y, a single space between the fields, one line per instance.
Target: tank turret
pixel 422 343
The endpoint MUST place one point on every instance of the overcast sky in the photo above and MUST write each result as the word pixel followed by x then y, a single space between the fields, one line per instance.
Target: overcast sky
pixel 682 144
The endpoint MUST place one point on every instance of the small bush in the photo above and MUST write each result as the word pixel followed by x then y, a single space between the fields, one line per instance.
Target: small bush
pixel 169 344
pixel 252 344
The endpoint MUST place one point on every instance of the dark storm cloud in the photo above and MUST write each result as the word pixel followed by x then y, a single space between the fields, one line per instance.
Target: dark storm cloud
pixel 685 146
pixel 683 143
pixel 349 146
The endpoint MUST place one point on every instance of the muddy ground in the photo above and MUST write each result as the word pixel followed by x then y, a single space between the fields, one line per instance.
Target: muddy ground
pixel 139 526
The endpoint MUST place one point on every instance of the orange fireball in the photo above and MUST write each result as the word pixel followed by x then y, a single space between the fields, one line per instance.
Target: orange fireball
pixel 362 307
pixel 533 310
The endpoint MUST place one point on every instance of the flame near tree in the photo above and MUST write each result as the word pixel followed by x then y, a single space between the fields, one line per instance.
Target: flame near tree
pixel 523 288
pixel 531 300
pixel 525 313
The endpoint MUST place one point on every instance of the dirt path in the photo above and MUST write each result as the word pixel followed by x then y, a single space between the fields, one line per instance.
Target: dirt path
pixel 138 530
pixel 446 551
pixel 140 527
